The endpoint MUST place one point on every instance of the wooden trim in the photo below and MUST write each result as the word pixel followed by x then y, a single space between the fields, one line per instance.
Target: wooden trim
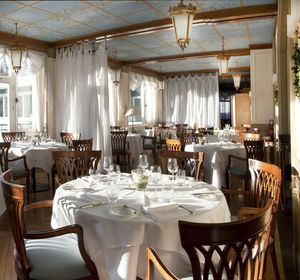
pixel 211 17
pixel 10 39
pixel 239 69
pixel 145 71
pixel 260 46
pixel 235 52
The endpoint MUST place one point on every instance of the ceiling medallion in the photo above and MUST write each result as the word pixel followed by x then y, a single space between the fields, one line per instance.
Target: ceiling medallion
pixel 223 61
pixel 182 18
pixel 16 53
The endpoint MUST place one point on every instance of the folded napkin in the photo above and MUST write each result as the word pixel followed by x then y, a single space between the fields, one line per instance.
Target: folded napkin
pixel 159 208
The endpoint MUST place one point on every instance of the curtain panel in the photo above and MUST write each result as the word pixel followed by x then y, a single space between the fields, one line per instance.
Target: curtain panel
pixel 149 87
pixel 192 99
pixel 82 97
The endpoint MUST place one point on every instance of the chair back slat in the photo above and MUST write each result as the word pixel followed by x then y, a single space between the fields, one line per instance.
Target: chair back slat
pixel 82 145
pixel 12 136
pixel 249 136
pixel 173 144
pixel 75 164
pixel 266 183
pixel 4 147
pixel 118 140
pixel 68 137
pixel 235 249
pixel 191 162
pixel 254 149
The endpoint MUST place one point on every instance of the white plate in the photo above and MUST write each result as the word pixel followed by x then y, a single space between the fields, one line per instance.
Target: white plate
pixel 122 211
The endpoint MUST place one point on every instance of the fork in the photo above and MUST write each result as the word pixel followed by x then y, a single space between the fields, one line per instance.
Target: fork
pixel 92 204
pixel 155 219
pixel 190 211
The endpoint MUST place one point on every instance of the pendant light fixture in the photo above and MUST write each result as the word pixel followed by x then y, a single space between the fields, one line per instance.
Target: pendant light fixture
pixel 223 61
pixel 236 78
pixel 161 82
pixel 182 18
pixel 16 53
pixel 116 80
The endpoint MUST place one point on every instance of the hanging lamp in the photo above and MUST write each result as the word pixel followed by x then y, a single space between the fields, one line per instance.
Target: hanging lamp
pixel 236 78
pixel 223 60
pixel 16 53
pixel 116 81
pixel 182 17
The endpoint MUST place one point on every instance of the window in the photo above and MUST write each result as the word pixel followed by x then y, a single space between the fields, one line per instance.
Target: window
pixel 24 102
pixel 225 108
pixel 137 101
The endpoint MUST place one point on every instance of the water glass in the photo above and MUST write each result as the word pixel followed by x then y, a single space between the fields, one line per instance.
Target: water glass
pixel 114 173
pixel 155 175
pixel 112 193
pixel 167 193
pixel 180 178
pixel 93 172
pixel 143 161
pixel 106 163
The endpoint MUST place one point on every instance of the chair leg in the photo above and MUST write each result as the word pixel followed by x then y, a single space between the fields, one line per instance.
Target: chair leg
pixel 28 187
pixel 227 179
pixel 274 261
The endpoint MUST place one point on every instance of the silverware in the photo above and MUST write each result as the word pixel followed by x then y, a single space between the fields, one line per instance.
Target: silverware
pixel 92 205
pixel 190 211
pixel 128 207
pixel 201 193
pixel 155 219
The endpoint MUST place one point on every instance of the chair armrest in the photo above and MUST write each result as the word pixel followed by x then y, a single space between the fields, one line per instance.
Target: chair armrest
pixel 244 212
pixel 236 192
pixel 153 260
pixel 62 231
pixel 39 204
pixel 19 158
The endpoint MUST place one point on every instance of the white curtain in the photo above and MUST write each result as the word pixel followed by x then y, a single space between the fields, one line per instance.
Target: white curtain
pixel 151 99
pixel 192 99
pixel 82 98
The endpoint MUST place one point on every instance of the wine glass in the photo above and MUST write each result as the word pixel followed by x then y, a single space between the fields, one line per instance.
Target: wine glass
pixel 143 161
pixel 106 163
pixel 114 173
pixel 172 166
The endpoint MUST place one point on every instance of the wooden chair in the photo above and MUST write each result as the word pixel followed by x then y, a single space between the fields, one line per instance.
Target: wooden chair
pixel 265 184
pixel 12 136
pixel 249 137
pixel 18 172
pixel 163 133
pixel 71 165
pixel 149 144
pixel 221 250
pixel 189 138
pixel 39 254
pixel 191 162
pixel 82 145
pixel 173 144
pixel 120 149
pixel 254 150
pixel 68 137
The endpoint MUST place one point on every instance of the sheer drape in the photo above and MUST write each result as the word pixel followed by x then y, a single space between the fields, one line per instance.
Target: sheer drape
pixel 82 98
pixel 192 99
pixel 149 87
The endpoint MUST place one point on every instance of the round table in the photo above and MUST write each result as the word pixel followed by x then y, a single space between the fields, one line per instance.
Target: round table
pixel 117 243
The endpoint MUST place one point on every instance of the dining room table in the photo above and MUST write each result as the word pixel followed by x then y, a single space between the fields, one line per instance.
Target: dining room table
pixel 38 155
pixel 216 158
pixel 117 232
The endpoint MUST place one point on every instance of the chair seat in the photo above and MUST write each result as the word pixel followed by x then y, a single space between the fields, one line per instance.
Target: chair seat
pixel 17 171
pixel 238 170
pixel 55 258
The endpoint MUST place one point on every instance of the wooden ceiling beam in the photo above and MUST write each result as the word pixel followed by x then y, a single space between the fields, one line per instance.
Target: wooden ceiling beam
pixel 211 17
pixel 9 39
pixel 235 69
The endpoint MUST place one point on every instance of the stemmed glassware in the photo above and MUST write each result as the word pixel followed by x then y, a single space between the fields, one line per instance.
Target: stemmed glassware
pixel 172 167
pixel 143 161
pixel 114 173
pixel 106 163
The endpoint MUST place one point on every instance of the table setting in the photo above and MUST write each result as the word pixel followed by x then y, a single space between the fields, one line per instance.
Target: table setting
pixel 122 214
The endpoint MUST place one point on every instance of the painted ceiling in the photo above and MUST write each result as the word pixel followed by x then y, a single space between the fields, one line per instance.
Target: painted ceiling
pixel 56 20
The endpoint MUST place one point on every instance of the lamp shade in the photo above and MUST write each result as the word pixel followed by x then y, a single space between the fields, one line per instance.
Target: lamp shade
pixel 182 18
pixel 237 80
pixel 132 111
pixel 223 63
pixel 16 58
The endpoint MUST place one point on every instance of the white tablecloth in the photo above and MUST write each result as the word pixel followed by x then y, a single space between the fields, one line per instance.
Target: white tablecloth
pixel 117 244
pixel 230 137
pixel 135 147
pixel 36 156
pixel 216 159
